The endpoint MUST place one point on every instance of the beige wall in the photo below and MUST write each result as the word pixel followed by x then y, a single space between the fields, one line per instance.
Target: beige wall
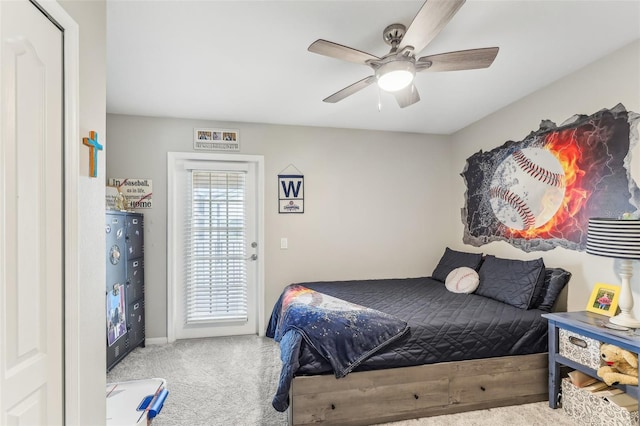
pixel 374 201
pixel 91 19
pixel 377 204
pixel 603 84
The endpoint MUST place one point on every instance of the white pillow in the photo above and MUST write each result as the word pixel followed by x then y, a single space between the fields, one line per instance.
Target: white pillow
pixel 462 280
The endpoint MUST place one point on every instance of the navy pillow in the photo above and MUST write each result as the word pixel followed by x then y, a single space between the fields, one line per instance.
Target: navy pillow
pixel 515 282
pixel 554 281
pixel 452 259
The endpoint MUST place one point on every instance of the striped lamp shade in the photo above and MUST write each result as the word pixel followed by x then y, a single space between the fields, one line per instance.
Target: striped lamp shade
pixel 618 238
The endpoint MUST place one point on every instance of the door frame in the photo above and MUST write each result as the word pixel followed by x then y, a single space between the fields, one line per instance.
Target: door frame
pixel 173 276
pixel 71 156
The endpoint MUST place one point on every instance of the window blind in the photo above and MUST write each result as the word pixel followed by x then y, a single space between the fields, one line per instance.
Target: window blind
pixel 215 255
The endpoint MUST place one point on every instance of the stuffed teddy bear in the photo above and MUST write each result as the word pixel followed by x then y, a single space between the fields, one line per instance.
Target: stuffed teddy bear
pixel 621 368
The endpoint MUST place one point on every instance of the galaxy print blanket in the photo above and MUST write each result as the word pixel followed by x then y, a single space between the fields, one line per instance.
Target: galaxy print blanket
pixel 345 334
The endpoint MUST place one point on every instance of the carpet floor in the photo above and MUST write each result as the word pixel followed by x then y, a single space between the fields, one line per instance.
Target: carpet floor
pixel 229 381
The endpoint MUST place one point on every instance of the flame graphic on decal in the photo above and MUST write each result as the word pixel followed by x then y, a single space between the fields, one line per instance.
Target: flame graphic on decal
pixel 564 146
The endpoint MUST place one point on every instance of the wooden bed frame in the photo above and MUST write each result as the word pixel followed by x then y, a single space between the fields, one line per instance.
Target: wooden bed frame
pixel 369 397
pixel 379 396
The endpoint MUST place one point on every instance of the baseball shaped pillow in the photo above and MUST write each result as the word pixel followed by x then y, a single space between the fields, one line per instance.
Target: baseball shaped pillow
pixel 462 280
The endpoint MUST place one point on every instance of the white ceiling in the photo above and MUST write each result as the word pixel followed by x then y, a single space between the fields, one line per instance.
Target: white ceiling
pixel 247 61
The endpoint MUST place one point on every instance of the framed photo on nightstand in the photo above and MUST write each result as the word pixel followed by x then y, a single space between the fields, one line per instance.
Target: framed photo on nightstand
pixel 604 299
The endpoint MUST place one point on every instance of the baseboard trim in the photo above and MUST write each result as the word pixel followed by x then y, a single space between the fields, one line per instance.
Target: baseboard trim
pixel 155 341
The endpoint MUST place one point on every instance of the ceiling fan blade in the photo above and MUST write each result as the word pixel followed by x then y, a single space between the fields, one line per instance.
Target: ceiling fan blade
pixel 338 51
pixel 430 20
pixel 407 96
pixel 350 90
pixel 461 60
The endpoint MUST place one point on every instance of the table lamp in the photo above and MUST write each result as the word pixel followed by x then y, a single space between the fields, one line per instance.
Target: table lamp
pixel 619 239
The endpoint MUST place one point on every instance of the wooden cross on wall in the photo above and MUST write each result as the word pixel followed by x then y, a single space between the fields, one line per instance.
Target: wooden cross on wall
pixel 94 147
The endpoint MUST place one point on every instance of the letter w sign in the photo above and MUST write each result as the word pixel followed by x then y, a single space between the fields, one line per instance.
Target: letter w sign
pixel 291 193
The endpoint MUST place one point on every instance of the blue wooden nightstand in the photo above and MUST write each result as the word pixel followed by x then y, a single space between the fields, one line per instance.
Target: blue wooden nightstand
pixel 591 326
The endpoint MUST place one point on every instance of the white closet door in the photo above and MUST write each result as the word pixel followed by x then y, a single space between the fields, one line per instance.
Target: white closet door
pixel 31 217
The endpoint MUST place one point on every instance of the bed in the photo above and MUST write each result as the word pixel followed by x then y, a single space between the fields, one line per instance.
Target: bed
pixel 442 352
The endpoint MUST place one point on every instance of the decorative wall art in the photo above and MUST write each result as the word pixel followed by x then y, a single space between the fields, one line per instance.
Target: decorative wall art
pixel 290 190
pixel 94 148
pixel 137 193
pixel 216 140
pixel 538 193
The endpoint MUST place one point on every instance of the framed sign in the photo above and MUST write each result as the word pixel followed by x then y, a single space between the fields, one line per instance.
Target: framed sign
pixel 291 193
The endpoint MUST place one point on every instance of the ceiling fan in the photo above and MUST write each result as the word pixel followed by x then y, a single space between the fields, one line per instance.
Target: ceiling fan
pixel 395 71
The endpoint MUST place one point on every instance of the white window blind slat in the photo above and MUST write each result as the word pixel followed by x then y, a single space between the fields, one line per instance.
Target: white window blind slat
pixel 215 255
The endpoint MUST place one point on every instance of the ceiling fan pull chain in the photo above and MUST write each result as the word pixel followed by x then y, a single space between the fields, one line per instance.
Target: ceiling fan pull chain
pixel 379 101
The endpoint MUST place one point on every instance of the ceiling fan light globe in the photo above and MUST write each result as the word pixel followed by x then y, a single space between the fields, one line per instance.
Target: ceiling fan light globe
pixel 396 75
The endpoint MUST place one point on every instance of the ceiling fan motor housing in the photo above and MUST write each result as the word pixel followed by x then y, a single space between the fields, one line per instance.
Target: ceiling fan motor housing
pixel 393 34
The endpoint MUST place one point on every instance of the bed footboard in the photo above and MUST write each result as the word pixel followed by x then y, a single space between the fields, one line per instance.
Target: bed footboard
pixel 370 397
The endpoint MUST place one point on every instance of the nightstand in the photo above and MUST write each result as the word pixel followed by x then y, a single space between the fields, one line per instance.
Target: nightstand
pixel 590 326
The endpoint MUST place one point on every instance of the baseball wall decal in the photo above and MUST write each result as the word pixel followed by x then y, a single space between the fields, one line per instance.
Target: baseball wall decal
pixel 527 188
pixel 583 168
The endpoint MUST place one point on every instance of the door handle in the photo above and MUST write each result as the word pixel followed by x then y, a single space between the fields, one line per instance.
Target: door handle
pixel 253 257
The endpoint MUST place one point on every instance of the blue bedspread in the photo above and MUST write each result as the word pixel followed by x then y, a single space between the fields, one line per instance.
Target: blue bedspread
pixel 344 333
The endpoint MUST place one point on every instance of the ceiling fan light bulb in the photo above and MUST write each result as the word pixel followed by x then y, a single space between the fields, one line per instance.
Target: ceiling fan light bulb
pixel 394 76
